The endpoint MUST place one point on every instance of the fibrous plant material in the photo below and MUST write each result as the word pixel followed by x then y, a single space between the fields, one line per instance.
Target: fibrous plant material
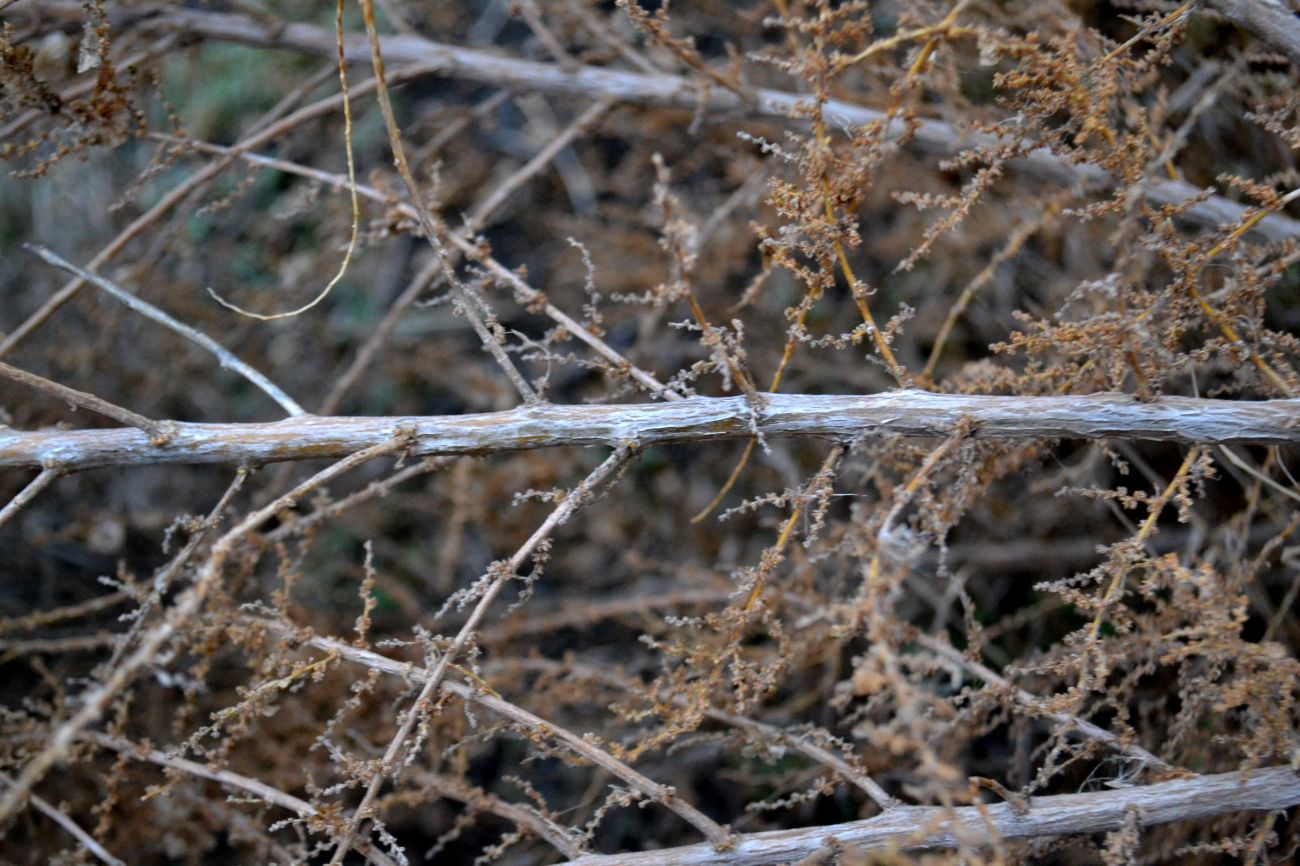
pixel 925 827
pixel 657 433
pixel 698 419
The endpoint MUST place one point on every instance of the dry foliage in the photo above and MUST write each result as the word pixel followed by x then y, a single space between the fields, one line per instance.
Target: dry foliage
pixel 585 627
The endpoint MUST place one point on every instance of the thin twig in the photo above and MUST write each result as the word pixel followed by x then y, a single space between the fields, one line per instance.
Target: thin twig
pixel 580 746
pixel 87 401
pixel 476 798
pixel 96 699
pixel 470 303
pixel 144 308
pixel 13 648
pixel 375 488
pixel 479 215
pixel 46 477
pixel 57 815
pixel 1082 726
pixel 1236 460
pixel 799 741
pixel 42 618
pixel 228 778
pixel 527 10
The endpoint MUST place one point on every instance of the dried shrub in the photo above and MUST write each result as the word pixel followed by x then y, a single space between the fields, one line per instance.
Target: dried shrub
pixel 929 637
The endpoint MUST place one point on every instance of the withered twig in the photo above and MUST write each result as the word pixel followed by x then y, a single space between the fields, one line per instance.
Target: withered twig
pixel 148 310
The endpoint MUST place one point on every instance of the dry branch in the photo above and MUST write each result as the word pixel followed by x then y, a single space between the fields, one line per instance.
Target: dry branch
pixel 223 355
pixel 649 89
pixel 97 697
pixel 468 247
pixel 699 419
pixel 469 301
pixel 931 827
pixel 81 398
pixel 226 778
pixel 580 746
pixel 28 493
pixel 800 741
pixel 73 829
pixel 1267 20
pixel 1084 727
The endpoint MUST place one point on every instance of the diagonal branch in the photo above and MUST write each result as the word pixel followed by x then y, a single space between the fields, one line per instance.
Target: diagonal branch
pixel 148 310
pixel 85 400
pixel 435 678
pixel 468 247
pixel 698 419
pixel 580 746
pixel 656 89
pixel 47 477
pixel 798 740
pixel 74 829
pixel 476 310
pixel 1084 727
pixel 933 827
pixel 96 698
pixel 227 778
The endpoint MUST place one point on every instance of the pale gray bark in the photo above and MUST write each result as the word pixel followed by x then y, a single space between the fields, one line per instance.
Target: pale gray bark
pixel 698 419
pixel 1198 798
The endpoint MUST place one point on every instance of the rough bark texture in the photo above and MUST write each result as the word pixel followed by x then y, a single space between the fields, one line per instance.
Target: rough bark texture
pixel 699 419
pixel 923 827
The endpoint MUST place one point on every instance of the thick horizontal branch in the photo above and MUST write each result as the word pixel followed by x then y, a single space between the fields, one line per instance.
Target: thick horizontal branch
pixel 642 88
pixel 1193 799
pixel 698 419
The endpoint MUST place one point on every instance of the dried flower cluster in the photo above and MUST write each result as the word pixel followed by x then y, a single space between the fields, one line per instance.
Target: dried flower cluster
pixel 788 431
